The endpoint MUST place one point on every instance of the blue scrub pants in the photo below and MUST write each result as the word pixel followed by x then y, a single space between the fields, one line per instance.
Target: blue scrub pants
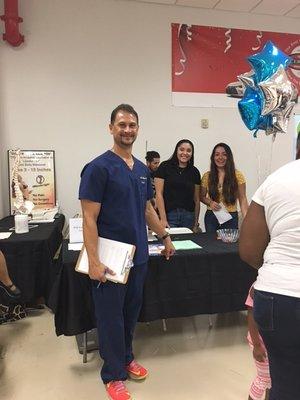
pixel 212 224
pixel 117 308
pixel 278 319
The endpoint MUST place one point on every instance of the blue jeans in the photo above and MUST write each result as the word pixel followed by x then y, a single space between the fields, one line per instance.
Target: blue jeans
pixel 181 218
pixel 212 224
pixel 278 320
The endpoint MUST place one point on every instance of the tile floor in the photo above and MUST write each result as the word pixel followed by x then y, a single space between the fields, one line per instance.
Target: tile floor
pixel 188 362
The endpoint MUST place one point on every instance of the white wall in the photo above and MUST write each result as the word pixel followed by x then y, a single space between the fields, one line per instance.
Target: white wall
pixel 83 57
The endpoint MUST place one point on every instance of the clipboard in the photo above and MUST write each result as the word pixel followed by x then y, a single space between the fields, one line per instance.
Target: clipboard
pixel 115 255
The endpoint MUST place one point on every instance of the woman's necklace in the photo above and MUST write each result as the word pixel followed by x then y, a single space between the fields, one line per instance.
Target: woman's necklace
pixel 221 180
pixel 181 168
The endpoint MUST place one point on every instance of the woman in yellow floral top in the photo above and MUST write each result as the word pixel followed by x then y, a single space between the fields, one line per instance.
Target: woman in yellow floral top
pixel 223 184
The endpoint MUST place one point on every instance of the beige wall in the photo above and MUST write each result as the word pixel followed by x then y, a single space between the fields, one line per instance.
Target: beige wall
pixel 83 57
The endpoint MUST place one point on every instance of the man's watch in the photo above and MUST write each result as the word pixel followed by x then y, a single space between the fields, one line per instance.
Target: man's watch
pixel 164 236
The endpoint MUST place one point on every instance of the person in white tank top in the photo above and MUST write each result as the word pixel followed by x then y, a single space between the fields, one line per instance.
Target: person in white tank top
pixel 270 242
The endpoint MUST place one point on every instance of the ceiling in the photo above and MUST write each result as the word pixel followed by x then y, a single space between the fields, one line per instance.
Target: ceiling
pixel 287 8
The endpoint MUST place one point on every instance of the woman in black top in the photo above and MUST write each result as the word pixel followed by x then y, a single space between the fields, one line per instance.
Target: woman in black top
pixel 177 184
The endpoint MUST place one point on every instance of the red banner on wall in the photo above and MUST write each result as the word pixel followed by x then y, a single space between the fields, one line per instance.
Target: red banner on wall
pixel 206 59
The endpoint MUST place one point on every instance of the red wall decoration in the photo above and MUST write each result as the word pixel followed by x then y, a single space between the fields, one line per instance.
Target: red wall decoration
pixel 205 59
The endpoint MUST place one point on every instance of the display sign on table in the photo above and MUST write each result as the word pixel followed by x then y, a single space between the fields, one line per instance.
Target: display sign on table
pixel 35 178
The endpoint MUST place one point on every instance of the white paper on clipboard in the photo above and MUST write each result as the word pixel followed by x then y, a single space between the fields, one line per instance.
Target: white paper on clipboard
pixel 115 255
pixel 222 215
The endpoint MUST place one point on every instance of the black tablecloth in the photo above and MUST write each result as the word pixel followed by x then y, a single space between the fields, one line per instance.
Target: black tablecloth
pixel 203 281
pixel 71 298
pixel 206 281
pixel 30 256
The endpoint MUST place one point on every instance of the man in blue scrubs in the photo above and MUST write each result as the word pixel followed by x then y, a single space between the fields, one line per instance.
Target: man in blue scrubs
pixel 115 193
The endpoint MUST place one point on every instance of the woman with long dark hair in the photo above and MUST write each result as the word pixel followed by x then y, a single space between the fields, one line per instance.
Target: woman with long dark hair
pixel 177 185
pixel 223 185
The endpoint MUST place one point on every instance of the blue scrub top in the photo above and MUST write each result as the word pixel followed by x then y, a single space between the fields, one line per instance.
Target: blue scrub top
pixel 123 194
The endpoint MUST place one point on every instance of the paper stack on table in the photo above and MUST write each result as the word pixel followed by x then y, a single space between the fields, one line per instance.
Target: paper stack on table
pixel 43 216
pixel 185 245
pixel 178 231
pixel 4 235
pixel 155 249
pixel 151 237
pixel 41 221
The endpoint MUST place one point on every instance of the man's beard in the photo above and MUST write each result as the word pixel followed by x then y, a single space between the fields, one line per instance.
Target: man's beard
pixel 127 143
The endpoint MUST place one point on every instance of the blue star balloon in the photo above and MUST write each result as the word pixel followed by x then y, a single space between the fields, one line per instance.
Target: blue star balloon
pixel 250 108
pixel 265 122
pixel 266 63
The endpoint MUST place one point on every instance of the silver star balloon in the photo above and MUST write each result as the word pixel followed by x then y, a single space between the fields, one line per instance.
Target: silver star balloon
pixel 247 79
pixel 271 131
pixel 295 94
pixel 277 91
pixel 281 117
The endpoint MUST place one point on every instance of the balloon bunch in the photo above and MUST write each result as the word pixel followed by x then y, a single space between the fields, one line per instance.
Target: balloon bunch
pixel 269 96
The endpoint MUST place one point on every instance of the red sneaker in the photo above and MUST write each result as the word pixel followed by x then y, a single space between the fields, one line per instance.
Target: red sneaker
pixel 116 390
pixel 136 371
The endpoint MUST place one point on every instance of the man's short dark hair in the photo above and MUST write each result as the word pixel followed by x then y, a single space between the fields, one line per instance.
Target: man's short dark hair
pixel 150 155
pixel 125 108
